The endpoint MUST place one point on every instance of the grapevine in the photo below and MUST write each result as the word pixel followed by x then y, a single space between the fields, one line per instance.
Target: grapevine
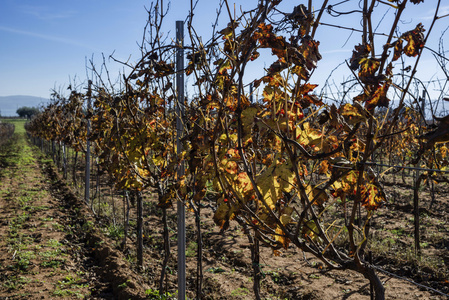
pixel 289 168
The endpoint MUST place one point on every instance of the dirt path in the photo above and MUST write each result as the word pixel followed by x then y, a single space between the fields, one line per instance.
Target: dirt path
pixel 49 248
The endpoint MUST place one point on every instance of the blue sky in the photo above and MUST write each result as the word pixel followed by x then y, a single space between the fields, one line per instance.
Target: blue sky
pixel 44 44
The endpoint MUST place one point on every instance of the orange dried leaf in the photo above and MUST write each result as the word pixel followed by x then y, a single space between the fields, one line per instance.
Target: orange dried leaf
pixel 245 183
pixel 372 198
pixel 309 49
pixel 281 238
pixel 397 49
pixel 360 52
pixel 324 167
pixel 229 166
pixel 368 69
pixel 415 40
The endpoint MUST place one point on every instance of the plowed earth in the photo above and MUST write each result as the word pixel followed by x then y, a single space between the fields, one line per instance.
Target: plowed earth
pixel 52 246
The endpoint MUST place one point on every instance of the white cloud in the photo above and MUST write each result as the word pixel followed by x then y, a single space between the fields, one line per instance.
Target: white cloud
pixel 45 13
pixel 46 37
pixel 442 11
pixel 336 51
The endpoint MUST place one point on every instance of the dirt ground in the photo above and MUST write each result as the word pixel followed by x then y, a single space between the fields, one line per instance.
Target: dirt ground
pixel 52 246
pixel 49 247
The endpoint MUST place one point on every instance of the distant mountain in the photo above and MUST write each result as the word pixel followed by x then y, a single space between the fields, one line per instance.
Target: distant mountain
pixel 10 104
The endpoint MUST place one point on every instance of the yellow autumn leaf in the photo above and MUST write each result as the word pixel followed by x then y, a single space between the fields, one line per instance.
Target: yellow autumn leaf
pixel 353 113
pixel 372 198
pixel 285 219
pixel 225 212
pixel 134 155
pixel 368 67
pixel 221 215
pixel 158 160
pixel 307 136
pixel 224 138
pixel 286 176
pixel 130 183
pixel 274 181
pixel 240 184
pixel 270 188
pixel 443 151
pixel 143 172
pixel 318 196
pixel 310 230
pixel 281 238
pixel 248 115
pixel 268 93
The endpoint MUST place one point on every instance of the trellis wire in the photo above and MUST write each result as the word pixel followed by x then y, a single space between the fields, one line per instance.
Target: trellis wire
pixel 406 279
pixel 391 166
pixel 404 167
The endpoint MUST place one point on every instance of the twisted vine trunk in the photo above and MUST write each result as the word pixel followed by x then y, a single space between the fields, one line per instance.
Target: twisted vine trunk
pixel 75 161
pixel 418 181
pixel 166 249
pixel 125 218
pixel 199 266
pixel 64 161
pixel 369 273
pixel 255 259
pixel 379 289
pixel 139 230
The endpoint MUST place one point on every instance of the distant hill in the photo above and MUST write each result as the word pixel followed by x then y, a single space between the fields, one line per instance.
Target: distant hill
pixel 9 104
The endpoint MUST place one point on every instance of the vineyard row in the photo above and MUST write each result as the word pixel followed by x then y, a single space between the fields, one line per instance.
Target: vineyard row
pixel 291 170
